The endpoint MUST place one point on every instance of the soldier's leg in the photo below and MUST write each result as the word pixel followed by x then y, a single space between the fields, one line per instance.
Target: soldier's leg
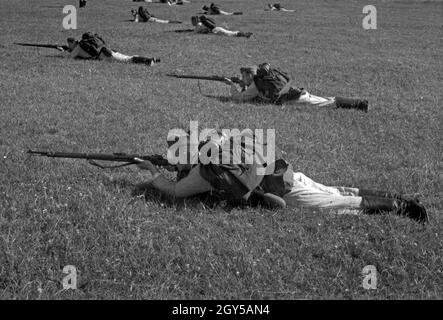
pixel 379 193
pixel 120 57
pixel 225 13
pixel 225 32
pixel 307 193
pixel 310 99
pixel 110 55
pixel 152 19
pixel 338 102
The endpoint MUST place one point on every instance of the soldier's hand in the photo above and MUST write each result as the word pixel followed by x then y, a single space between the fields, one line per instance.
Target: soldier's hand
pixel 228 81
pixel 60 49
pixel 145 165
pixel 170 168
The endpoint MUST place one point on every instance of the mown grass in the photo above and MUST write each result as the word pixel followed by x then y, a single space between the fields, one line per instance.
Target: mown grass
pixel 61 212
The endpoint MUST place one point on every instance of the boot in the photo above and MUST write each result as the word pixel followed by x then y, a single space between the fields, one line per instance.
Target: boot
pixel 406 208
pixel 378 193
pixel 374 205
pixel 347 103
pixel 413 210
pixel 244 34
pixel 148 61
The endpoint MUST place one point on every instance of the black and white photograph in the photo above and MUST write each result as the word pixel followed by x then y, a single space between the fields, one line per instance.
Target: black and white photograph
pixel 240 152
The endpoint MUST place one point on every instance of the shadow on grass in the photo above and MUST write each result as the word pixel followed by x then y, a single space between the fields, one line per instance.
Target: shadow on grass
pixel 219 98
pixel 55 56
pixel 181 31
pixel 229 99
pixel 208 200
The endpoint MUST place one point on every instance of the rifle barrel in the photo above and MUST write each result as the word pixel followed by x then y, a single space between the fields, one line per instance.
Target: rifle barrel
pixel 116 157
pixel 51 46
pixel 211 78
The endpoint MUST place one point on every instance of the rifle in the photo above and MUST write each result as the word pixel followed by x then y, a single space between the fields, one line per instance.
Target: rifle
pixel 209 78
pixel 129 159
pixel 51 46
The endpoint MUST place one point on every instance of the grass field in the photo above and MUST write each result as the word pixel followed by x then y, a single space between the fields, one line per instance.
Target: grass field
pixel 55 213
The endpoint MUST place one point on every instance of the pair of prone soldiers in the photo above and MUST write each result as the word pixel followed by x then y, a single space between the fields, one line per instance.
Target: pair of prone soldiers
pixel 201 24
pixel 258 83
pixel 143 15
pixel 275 186
pixel 214 9
pixel 262 83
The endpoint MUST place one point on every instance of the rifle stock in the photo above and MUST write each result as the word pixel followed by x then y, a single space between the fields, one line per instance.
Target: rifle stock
pixel 157 160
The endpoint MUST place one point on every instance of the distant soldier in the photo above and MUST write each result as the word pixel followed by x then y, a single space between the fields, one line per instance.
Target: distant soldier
pixel 143 15
pixel 169 2
pixel 267 84
pixel 278 7
pixel 214 9
pixel 203 24
pixel 92 46
pixel 175 2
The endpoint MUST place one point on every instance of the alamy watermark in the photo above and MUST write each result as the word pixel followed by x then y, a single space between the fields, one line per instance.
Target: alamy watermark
pixel 70 281
pixel 370 20
pixel 226 146
pixel 70 21
pixel 369 277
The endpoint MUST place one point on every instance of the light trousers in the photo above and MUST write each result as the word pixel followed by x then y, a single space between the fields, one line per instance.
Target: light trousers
pixel 116 56
pixel 224 32
pixel 313 100
pixel 306 193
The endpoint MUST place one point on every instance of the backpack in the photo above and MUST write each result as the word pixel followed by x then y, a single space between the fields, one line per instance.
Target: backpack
pixel 215 9
pixel 144 14
pixel 207 22
pixel 92 44
pixel 270 81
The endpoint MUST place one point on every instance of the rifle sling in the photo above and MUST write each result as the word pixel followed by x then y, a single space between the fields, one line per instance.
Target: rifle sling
pixel 94 163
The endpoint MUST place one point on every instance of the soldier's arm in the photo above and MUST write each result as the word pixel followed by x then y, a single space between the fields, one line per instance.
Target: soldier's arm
pixel 191 185
pixel 249 94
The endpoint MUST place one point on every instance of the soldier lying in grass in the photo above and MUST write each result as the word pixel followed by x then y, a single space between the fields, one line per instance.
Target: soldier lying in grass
pixel 214 9
pixel 277 7
pixel 278 187
pixel 203 24
pixel 143 15
pixel 267 84
pixel 92 46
